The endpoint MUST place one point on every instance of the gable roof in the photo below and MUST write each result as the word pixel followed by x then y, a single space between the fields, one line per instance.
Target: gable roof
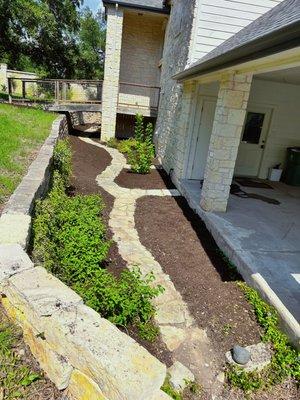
pixel 274 31
pixel 151 5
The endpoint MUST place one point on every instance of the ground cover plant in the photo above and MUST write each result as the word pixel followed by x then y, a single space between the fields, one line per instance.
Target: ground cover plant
pixel 285 361
pixel 19 376
pixel 70 241
pixel 22 131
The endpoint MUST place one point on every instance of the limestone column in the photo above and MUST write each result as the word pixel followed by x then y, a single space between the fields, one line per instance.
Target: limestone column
pixel 3 78
pixel 224 142
pixel 111 71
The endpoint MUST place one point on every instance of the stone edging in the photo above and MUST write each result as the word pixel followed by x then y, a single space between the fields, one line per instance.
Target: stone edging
pixel 79 351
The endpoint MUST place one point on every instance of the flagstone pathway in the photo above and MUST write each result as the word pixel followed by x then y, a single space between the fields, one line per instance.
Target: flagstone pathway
pixel 188 343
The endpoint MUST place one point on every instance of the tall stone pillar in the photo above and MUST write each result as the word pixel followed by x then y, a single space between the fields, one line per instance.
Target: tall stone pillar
pixel 224 142
pixel 3 78
pixel 111 72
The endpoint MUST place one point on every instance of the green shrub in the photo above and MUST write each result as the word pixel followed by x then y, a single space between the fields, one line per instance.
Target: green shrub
pixel 69 239
pixel 127 145
pixel 62 160
pixel 139 133
pixel 285 361
pixel 69 236
pixel 113 143
pixel 122 300
pixel 140 159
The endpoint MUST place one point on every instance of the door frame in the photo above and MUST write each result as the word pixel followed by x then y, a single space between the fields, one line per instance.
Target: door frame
pixel 270 110
pixel 192 137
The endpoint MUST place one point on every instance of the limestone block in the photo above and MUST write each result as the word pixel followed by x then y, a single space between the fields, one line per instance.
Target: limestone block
pixel 180 376
pixel 13 260
pixel 122 368
pixel 57 367
pixel 261 356
pixel 15 229
pixel 161 396
pixel 81 387
pixel 36 294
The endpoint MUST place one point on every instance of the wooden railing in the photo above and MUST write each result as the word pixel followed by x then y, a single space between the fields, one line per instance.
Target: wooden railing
pixel 132 96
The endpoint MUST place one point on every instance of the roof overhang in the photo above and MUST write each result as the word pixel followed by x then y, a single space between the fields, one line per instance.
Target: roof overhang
pixel 125 4
pixel 268 45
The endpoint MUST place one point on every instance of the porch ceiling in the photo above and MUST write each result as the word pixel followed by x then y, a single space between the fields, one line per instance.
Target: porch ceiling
pixel 291 76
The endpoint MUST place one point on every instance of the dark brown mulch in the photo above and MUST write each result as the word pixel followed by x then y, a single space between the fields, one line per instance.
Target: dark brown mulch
pixel 156 179
pixel 43 388
pixel 180 242
pixel 88 162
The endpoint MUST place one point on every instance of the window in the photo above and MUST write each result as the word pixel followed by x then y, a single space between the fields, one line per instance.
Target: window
pixel 253 127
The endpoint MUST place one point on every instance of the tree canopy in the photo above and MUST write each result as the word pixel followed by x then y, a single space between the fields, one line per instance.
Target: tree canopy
pixel 53 38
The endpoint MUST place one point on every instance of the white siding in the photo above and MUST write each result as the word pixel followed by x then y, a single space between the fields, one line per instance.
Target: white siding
pixel 218 20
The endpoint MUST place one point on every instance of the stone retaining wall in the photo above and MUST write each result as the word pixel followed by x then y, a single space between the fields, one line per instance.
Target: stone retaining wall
pixel 79 351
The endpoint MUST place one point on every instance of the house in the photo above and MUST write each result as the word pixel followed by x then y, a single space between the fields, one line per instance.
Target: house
pixel 228 110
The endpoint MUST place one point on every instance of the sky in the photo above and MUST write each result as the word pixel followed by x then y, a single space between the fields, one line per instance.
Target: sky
pixel 94 5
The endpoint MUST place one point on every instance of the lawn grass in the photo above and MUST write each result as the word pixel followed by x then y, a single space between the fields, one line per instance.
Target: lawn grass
pixel 22 132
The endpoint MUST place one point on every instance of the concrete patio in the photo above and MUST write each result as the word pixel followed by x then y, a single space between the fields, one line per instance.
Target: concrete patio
pixel 263 240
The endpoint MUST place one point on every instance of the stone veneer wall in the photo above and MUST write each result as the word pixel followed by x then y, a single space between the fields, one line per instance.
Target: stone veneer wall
pixel 175 58
pixel 78 350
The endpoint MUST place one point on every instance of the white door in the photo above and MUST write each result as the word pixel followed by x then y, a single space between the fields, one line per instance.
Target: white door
pixel 202 132
pixel 253 141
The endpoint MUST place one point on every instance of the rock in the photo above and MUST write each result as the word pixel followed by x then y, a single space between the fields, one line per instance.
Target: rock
pixel 261 355
pixel 240 355
pixel 82 387
pixel 13 260
pixel 180 376
pixel 15 228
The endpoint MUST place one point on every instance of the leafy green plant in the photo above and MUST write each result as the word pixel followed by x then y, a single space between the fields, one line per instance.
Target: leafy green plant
pixel 168 389
pixel 148 331
pixel 285 361
pixel 127 145
pixel 62 160
pixel 139 132
pixel 113 143
pixel 15 376
pixel 140 159
pixel 69 239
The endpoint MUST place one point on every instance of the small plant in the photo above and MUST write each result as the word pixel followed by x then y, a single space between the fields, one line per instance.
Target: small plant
pixel 168 389
pixel 113 143
pixel 148 331
pixel 285 361
pixel 140 159
pixel 62 160
pixel 139 132
pixel 127 145
pixel 226 329
pixel 15 376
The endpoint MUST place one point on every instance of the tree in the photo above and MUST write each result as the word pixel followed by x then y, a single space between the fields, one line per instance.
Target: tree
pixel 40 35
pixel 91 45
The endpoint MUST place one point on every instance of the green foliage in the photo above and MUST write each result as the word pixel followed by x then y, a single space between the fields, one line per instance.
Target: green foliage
pixel 113 143
pixel 141 152
pixel 123 300
pixel 126 146
pixel 140 159
pixel 148 331
pixel 285 361
pixel 69 239
pixel 62 160
pixel 15 376
pixel 139 128
pixel 168 389
pixel 52 38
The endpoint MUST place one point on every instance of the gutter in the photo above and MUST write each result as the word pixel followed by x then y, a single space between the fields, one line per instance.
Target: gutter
pixel 286 38
pixel 164 10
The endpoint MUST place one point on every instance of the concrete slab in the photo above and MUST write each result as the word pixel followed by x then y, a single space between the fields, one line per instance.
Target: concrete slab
pixel 262 239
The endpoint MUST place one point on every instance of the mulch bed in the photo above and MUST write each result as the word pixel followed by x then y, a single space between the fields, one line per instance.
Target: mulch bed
pixel 88 162
pixel 156 179
pixel 42 389
pixel 180 242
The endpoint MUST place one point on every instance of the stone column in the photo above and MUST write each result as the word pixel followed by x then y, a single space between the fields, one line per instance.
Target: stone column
pixel 224 142
pixel 111 71
pixel 3 78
